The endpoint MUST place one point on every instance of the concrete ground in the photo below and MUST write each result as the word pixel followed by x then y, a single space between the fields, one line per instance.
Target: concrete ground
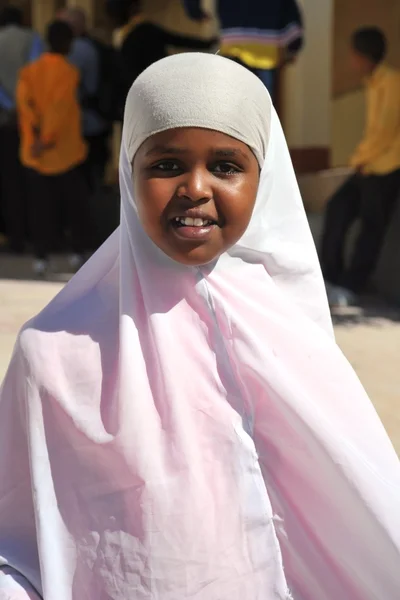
pixel 369 337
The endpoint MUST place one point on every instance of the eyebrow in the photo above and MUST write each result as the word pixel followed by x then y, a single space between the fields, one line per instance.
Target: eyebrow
pixel 231 153
pixel 166 150
pixel 174 150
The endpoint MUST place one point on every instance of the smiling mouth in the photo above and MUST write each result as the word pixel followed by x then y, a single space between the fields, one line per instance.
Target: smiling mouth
pixel 192 222
pixel 197 229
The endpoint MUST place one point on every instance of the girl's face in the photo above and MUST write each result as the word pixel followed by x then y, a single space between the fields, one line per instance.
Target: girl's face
pixel 195 191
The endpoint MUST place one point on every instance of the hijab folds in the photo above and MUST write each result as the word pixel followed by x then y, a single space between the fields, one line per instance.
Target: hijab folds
pixel 178 433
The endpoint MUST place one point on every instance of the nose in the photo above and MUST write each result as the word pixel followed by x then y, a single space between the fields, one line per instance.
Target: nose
pixel 196 186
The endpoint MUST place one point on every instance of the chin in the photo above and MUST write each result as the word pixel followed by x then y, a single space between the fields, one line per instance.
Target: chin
pixel 196 258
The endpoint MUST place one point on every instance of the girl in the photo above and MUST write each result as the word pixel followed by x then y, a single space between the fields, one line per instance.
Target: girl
pixel 179 423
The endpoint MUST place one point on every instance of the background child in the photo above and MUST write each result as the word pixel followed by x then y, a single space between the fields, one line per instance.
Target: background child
pixel 371 193
pixel 53 150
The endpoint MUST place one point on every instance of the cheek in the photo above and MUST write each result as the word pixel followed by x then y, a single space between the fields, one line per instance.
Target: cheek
pixel 238 207
pixel 152 197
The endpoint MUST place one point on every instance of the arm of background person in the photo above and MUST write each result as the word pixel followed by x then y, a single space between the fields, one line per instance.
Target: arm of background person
pixel 385 129
pixel 147 44
pixel 139 49
pixel 91 71
pixel 13 586
pixel 5 101
pixel 55 118
pixel 27 115
pixel 84 57
pixel 291 28
pixel 37 48
pixel 180 41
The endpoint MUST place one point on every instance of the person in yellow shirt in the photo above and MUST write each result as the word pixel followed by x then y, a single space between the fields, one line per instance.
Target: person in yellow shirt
pixel 53 150
pixel 369 195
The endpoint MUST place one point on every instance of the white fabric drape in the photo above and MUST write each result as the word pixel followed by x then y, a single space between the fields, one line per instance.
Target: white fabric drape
pixel 175 433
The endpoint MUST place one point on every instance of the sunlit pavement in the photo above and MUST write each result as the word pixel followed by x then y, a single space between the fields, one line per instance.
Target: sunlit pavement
pixel 369 337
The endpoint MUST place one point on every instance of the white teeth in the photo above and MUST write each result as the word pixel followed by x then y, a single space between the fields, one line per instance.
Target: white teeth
pixel 189 222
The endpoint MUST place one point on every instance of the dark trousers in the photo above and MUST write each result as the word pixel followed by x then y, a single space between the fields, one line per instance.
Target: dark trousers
pixel 96 162
pixel 13 191
pixel 370 199
pixel 59 205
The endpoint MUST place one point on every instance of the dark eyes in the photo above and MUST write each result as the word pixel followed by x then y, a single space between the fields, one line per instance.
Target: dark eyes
pixel 226 168
pixel 171 167
pixel 166 166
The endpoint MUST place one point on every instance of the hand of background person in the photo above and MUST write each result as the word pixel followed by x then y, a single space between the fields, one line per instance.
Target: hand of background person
pixel 38 147
pixel 360 170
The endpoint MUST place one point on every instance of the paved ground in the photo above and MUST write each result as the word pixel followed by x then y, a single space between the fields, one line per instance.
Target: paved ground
pixel 370 337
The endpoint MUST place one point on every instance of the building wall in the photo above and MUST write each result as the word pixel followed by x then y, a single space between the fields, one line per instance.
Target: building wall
pixel 307 90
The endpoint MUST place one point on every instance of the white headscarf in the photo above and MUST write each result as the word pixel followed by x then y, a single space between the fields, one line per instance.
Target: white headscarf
pixel 174 433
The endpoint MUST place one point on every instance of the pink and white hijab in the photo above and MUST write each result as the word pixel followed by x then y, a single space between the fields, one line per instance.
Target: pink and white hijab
pixel 175 433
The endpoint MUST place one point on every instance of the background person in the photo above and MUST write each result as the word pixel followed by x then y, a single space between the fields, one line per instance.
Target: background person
pixel 18 46
pixel 262 35
pixel 370 195
pixel 97 127
pixel 143 43
pixel 53 150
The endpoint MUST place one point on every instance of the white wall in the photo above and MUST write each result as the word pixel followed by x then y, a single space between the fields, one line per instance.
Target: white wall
pixel 307 86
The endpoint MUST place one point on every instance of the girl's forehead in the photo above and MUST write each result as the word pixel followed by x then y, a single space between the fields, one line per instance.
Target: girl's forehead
pixel 194 140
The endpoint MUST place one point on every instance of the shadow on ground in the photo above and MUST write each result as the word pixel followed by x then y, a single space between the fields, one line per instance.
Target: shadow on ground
pixel 372 311
pixel 19 268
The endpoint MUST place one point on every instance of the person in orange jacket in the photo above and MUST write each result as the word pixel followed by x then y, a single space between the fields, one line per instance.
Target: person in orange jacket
pixel 53 149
